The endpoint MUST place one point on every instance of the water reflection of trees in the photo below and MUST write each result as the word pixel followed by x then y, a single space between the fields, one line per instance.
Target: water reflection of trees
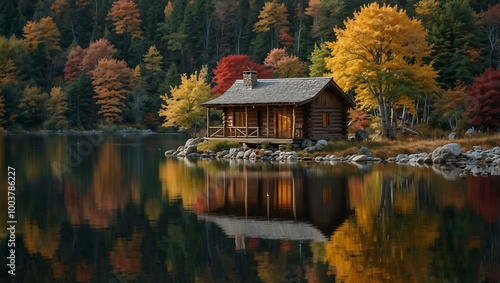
pixel 408 223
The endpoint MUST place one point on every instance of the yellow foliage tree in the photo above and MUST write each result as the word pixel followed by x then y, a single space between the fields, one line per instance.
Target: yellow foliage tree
pixel 111 80
pixel 32 103
pixel 168 9
pixel 45 31
pixel 56 107
pixel 10 50
pixel 380 54
pixel 184 108
pixel 272 19
pixel 153 59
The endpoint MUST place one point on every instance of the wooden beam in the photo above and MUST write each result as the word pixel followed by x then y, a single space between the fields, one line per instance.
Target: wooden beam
pixel 208 121
pixel 246 121
pixel 267 121
pixel 293 121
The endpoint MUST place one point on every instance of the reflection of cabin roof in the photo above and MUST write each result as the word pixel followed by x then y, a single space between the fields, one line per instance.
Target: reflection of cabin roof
pixel 266 229
pixel 276 91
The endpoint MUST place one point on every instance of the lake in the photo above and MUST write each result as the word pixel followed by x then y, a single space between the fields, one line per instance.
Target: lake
pixel 113 208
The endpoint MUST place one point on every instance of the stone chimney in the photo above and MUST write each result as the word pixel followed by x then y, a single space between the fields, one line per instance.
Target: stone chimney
pixel 249 79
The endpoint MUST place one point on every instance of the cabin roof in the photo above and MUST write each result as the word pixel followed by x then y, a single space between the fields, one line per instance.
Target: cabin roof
pixel 276 91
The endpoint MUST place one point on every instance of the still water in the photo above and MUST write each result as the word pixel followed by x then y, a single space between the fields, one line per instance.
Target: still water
pixel 112 208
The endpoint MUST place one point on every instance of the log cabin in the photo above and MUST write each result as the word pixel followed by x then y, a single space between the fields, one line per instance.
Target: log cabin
pixel 284 110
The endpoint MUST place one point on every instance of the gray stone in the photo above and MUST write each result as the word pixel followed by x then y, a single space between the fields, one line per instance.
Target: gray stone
pixel 451 150
pixel 401 156
pixel 306 143
pixel 169 152
pixel 360 158
pixel 452 136
pixel 361 135
pixel 240 155
pixel 471 131
pixel 365 151
pixel 320 144
pixel 189 149
pixel 247 153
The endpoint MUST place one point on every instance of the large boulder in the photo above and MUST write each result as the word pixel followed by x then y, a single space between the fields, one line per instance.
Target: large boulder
pixel 361 135
pixel 446 152
pixel 365 151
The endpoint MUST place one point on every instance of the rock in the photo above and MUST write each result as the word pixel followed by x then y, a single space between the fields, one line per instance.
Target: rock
pixel 169 152
pixel 452 136
pixel 365 151
pixel 240 155
pixel 306 143
pixel 471 131
pixel 447 151
pixel 361 135
pixel 321 144
pixel 193 155
pixel 401 156
pixel 193 141
pixel 189 149
pixel 360 158
pixel 247 153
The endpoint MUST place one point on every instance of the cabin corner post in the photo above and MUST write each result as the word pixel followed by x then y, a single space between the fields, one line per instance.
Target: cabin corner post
pixel 208 121
pixel 246 121
pixel 293 121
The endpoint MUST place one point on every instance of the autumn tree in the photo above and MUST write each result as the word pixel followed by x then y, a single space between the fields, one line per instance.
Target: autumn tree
pixel 111 79
pixel 100 49
pixel 32 106
pixel 428 12
pixel 483 101
pixel 138 97
pixel 11 49
pixel 44 32
pixel 284 65
pixel 382 61
pixel 152 72
pixel 56 107
pixel 450 107
pixel 230 68
pixel 183 109
pixel 72 66
pixel 272 20
pixel 126 18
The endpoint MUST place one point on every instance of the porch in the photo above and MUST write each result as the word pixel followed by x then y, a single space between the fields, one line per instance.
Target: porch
pixel 253 134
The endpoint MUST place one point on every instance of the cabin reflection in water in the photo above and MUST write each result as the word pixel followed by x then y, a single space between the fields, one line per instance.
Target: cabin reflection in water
pixel 271 201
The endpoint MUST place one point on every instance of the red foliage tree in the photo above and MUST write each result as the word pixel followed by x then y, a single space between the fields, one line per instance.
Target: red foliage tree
pixel 230 68
pixel 72 66
pixel 483 105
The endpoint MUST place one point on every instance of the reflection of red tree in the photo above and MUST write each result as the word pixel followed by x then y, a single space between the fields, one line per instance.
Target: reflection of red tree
pixel 126 257
pixel 83 272
pixel 253 244
pixel 484 196
pixel 109 192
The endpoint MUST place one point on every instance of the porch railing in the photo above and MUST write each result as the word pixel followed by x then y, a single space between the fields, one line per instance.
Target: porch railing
pixel 242 132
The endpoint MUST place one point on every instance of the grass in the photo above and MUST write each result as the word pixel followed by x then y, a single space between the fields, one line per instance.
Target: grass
pixel 388 148
pixel 216 146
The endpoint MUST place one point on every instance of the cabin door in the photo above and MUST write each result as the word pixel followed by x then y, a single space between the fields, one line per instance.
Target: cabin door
pixel 283 126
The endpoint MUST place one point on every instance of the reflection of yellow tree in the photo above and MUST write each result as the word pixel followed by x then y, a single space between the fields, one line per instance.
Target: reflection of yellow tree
pixel 41 241
pixel 373 246
pixel 180 181
pixel 270 270
pixel 109 192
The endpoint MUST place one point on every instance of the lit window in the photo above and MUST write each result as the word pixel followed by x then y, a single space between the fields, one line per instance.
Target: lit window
pixel 326 120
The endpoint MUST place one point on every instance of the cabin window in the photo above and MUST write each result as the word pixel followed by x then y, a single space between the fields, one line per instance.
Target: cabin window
pixel 326 119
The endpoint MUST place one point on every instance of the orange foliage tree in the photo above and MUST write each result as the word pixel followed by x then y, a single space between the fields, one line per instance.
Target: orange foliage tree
pixel 272 20
pixel 112 81
pixel 126 18
pixel 95 52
